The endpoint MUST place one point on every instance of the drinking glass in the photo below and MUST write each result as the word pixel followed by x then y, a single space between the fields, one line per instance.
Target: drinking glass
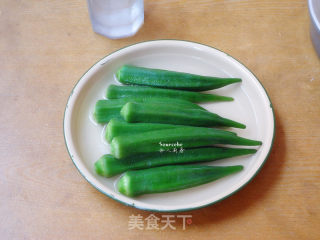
pixel 116 18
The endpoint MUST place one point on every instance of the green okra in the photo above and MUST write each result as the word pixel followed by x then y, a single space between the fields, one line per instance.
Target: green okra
pixel 171 178
pixel 105 110
pixel 118 127
pixel 170 114
pixel 189 137
pixel 115 91
pixel 109 166
pixel 128 74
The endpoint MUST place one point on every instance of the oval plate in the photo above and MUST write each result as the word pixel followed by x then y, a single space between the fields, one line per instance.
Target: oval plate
pixel 251 106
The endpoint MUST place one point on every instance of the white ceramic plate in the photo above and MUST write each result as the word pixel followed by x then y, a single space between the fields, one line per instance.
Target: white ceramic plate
pixel 251 107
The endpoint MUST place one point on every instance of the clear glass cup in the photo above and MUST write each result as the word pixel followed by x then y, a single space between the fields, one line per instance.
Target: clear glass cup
pixel 116 18
pixel 314 12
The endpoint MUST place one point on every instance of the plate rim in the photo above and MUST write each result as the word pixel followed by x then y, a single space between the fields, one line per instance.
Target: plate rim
pixel 170 210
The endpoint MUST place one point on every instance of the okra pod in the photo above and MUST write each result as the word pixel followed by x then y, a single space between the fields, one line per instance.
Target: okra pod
pixel 171 178
pixel 115 91
pixel 171 114
pixel 118 127
pixel 105 110
pixel 128 74
pixel 187 137
pixel 109 166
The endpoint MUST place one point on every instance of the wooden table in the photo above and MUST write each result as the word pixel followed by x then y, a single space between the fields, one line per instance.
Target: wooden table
pixel 45 47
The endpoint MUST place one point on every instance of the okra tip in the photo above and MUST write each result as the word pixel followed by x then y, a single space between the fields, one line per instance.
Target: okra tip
pixel 235 80
pixel 253 142
pixel 219 98
pixel 230 123
pixel 239 125
pixel 250 150
pixel 235 168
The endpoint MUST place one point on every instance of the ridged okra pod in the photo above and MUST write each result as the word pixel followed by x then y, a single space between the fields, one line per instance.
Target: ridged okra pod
pixel 109 166
pixel 105 110
pixel 115 91
pixel 189 137
pixel 128 74
pixel 170 178
pixel 171 114
pixel 118 127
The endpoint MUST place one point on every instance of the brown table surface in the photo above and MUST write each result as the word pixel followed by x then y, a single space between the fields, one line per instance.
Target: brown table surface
pixel 45 47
